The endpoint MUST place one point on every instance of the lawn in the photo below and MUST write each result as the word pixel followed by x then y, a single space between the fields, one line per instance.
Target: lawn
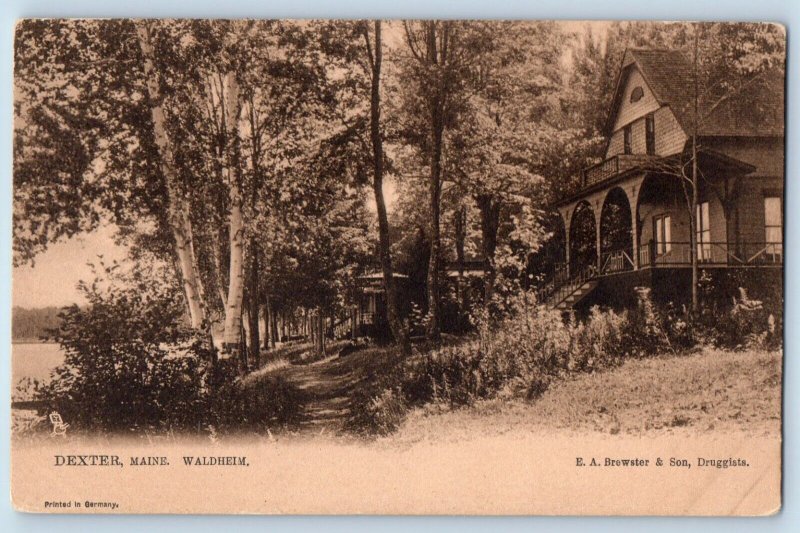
pixel 709 390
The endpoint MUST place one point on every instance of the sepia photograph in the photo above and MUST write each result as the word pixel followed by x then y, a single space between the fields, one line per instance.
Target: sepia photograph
pixel 397 267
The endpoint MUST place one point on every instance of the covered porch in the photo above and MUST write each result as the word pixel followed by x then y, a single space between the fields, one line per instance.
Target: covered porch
pixel 631 213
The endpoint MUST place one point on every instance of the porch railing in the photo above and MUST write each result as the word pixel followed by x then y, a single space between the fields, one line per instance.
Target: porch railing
pixel 664 255
pixel 557 291
pixel 611 167
pixel 713 253
pixel 343 327
pixel 616 261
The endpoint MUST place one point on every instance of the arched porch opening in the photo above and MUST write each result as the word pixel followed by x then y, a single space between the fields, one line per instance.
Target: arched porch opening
pixel 582 238
pixel 663 212
pixel 616 233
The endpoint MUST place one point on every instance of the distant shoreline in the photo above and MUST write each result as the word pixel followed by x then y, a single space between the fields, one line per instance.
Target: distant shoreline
pixel 31 341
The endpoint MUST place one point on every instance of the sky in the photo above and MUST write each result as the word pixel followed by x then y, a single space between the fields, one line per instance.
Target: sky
pixel 53 279
pixel 56 272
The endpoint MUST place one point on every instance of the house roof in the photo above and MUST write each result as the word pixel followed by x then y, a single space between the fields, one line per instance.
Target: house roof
pixel 755 109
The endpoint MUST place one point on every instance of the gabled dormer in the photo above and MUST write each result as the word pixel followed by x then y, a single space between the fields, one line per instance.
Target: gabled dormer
pixel 651 117
pixel 642 118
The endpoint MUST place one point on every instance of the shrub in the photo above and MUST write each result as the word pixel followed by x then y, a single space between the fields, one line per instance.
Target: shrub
pixel 747 324
pixel 601 341
pixel 255 406
pixel 739 320
pixel 448 374
pixel 375 408
pixel 132 365
pixel 387 411
pixel 645 334
pixel 519 355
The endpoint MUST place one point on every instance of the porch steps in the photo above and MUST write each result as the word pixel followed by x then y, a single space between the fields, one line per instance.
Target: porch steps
pixel 575 297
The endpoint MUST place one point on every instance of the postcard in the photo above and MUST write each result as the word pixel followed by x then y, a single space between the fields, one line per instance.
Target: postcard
pixel 398 267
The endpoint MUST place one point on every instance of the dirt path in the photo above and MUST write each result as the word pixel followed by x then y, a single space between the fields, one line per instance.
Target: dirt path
pixel 328 386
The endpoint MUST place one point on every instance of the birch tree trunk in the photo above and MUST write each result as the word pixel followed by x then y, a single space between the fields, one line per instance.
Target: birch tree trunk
pixel 217 265
pixel 233 307
pixel 177 205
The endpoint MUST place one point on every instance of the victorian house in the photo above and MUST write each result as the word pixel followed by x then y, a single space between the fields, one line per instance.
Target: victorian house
pixel 626 219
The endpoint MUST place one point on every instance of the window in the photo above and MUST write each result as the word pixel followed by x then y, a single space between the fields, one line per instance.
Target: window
pixel 703 233
pixel 773 226
pixel 627 139
pixel 637 94
pixel 650 133
pixel 663 234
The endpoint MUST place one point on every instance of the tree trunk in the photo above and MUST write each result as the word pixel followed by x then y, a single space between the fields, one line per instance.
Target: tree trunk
pixel 460 224
pixel 255 334
pixel 693 229
pixel 233 309
pixel 435 192
pixel 178 206
pixel 321 334
pixel 438 57
pixel 310 327
pixel 242 349
pixel 396 325
pixel 272 321
pixel 217 266
pixel 693 214
pixel 489 208
pixel 263 326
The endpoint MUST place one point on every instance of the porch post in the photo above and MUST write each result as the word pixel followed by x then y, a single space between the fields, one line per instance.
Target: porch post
pixel 566 218
pixel 633 198
pixel 635 237
pixel 598 213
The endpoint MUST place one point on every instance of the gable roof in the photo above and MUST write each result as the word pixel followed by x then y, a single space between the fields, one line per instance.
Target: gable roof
pixel 755 110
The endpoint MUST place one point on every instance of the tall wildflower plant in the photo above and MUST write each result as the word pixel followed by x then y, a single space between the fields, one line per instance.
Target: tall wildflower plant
pixel 645 331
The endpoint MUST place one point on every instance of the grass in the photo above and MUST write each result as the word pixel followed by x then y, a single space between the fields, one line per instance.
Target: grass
pixel 290 353
pixel 709 390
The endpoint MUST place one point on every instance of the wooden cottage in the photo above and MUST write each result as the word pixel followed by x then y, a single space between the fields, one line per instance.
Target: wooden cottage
pixel 370 318
pixel 626 219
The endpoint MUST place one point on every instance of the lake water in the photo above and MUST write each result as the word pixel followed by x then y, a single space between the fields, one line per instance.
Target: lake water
pixel 34 360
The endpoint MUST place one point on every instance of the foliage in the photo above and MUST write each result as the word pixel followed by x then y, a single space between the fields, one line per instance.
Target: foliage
pixel 255 406
pixel 646 334
pixel 132 365
pixel 521 355
pixel 129 361
pixel 746 324
pixel 386 411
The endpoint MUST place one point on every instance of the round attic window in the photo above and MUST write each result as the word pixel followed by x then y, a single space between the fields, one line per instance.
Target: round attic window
pixel 637 94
